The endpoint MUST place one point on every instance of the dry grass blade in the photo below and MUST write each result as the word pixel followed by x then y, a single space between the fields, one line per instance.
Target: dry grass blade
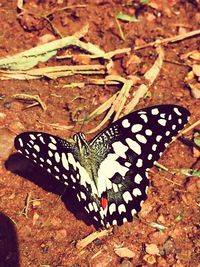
pixel 27 97
pixel 153 72
pixel 53 72
pixel 141 91
pixel 105 106
pixel 150 76
pixel 121 98
pixel 107 55
pixel 115 103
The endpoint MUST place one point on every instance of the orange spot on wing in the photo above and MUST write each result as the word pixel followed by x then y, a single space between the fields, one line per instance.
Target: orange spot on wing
pixel 104 202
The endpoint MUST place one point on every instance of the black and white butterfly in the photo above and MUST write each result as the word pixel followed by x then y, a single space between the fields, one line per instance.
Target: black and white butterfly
pixel 109 173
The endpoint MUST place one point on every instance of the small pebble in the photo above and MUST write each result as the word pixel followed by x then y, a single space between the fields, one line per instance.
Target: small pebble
pixel 98 242
pixel 126 263
pixel 60 234
pixel 7 105
pixel 168 247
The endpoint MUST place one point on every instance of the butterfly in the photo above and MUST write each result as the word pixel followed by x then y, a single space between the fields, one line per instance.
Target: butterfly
pixel 109 174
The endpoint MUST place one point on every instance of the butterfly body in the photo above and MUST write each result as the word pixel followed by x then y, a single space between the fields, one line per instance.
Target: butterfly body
pixel 109 173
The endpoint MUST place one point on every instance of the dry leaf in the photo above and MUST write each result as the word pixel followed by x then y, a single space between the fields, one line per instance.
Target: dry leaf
pixel 196 69
pixel 124 252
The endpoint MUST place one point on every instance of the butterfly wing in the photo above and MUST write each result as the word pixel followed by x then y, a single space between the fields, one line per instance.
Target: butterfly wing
pixel 129 147
pixel 121 155
pixel 54 154
pixel 61 159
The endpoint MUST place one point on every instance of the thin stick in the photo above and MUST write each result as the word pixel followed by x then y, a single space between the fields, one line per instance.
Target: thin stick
pixel 81 244
pixel 186 130
pixel 170 39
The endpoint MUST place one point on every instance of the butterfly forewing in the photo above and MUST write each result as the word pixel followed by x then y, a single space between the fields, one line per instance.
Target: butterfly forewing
pixel 131 146
pixel 111 181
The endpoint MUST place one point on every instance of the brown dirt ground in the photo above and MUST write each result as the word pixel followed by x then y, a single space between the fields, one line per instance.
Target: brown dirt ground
pixel 49 240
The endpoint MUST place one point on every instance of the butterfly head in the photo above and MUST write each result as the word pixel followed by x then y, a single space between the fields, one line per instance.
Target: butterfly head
pixel 82 144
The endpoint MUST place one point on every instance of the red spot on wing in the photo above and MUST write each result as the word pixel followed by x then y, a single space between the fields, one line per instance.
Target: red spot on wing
pixel 104 202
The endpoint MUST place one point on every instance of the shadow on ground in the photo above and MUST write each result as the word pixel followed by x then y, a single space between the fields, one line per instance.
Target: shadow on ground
pixel 9 253
pixel 21 166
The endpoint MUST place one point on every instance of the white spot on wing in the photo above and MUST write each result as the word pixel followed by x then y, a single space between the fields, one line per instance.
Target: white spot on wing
pixel 50 153
pixel 127 197
pixel 106 171
pixel 141 138
pixel 154 146
pixel 65 161
pixel 127 164
pixel 134 146
pixel 154 111
pixel 136 128
pixel 148 132
pixel 57 157
pixel 139 163
pixel 144 117
pixel 121 208
pixel 126 123
pixel 95 206
pixel 120 149
pixel 64 176
pixel 133 212
pixel 136 192
pixel 90 206
pixel 32 136
pixel 177 111
pixel 162 115
pixel 56 169
pixel 167 133
pixel 53 140
pixel 112 208
pixel 158 138
pixel 115 188
pixel 42 139
pixel 173 127
pixel 82 195
pixel 27 152
pixel 71 160
pixel 37 148
pixel 52 146
pixel 49 162
pixel 125 220
pixel 162 122
pixel 138 178
pixel 20 142
pixel 114 222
